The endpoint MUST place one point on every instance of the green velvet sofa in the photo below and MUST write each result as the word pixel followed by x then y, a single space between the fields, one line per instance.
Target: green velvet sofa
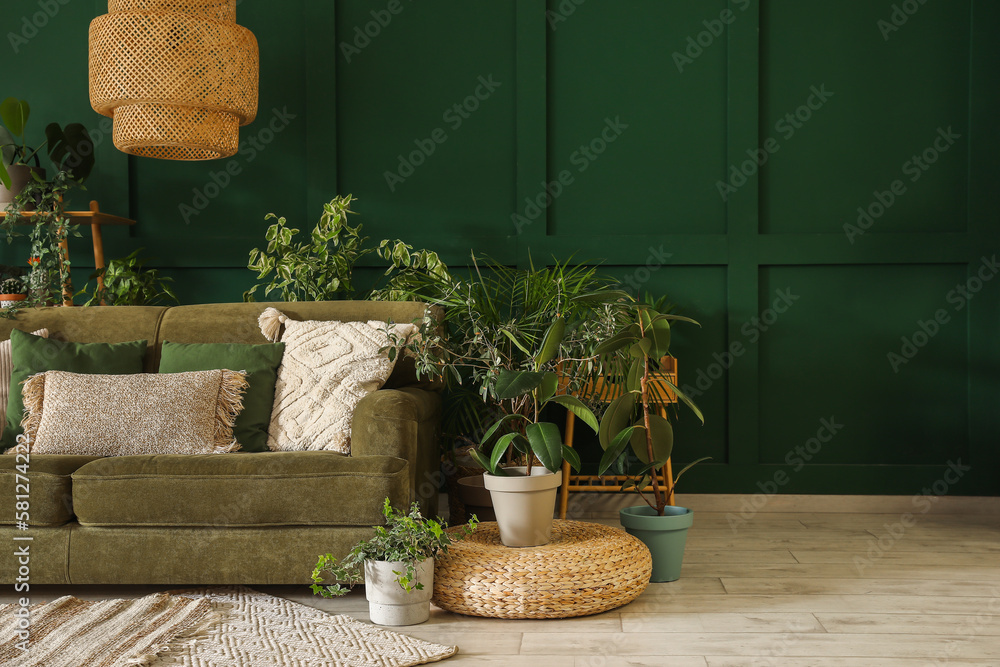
pixel 240 518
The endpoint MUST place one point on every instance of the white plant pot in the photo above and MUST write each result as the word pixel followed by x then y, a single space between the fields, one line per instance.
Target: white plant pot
pixel 388 603
pixel 524 505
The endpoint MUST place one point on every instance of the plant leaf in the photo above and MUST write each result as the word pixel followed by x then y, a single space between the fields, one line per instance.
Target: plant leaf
pixel 615 343
pixel 577 407
pixel 572 456
pixel 616 418
pixel 511 384
pixel 689 466
pixel 496 427
pixel 615 449
pixel 546 442
pixel 663 439
pixel 498 451
pixel 550 342
pixel 14 113
pixel 516 342
pixel 547 389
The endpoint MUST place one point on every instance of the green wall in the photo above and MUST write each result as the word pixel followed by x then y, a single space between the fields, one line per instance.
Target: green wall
pixel 641 114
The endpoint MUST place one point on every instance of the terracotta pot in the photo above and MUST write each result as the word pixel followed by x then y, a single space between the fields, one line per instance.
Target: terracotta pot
pixel 524 505
pixel 8 300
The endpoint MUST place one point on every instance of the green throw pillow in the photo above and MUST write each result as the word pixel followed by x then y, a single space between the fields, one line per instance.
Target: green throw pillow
pixel 34 354
pixel 261 365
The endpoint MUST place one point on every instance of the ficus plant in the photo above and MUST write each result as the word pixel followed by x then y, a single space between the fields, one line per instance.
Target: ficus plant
pixel 629 425
pixel 408 538
pixel 529 437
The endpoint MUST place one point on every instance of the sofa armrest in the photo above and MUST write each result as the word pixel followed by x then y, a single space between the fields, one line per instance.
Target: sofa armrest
pixel 404 423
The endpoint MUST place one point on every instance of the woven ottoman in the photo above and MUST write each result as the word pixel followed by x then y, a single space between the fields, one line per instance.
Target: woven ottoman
pixel 587 568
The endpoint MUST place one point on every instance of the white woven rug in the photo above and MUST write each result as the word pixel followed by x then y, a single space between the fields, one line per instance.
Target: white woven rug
pixel 217 627
pixel 266 631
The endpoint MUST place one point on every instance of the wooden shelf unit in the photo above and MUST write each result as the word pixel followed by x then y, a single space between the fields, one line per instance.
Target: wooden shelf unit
pixel 96 219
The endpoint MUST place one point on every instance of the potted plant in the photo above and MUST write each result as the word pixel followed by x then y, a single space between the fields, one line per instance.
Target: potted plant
pixel 492 321
pixel 524 495
pixel 127 282
pixel 396 566
pixel 69 149
pixel 11 291
pixel 322 268
pixel 630 431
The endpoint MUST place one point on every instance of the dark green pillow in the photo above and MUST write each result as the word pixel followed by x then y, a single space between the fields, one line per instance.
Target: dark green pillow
pixel 34 354
pixel 261 365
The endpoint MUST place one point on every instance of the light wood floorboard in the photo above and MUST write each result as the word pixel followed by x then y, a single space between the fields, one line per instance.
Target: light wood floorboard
pixel 804 588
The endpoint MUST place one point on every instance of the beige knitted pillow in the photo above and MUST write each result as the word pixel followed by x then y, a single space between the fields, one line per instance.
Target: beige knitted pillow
pixel 121 415
pixel 327 369
pixel 6 368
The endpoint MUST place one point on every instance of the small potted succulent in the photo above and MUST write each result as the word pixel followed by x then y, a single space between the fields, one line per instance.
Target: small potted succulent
pixel 524 495
pixel 630 428
pixel 396 566
pixel 11 291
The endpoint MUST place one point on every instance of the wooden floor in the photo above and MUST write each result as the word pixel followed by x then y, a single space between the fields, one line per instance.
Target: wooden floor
pixel 782 589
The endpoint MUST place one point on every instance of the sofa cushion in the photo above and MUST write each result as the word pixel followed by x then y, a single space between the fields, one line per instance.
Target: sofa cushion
pixel 34 354
pixel 241 489
pixel 50 502
pixel 327 368
pixel 122 415
pixel 260 362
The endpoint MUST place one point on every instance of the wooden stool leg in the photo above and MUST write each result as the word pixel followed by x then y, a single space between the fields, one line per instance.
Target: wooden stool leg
pixel 564 490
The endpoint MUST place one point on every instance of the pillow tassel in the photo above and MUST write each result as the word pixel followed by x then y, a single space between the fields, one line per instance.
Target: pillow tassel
pixel 270 322
pixel 33 393
pixel 228 407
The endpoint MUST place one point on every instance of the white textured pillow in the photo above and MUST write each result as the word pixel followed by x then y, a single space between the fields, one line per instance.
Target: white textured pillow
pixel 6 368
pixel 327 369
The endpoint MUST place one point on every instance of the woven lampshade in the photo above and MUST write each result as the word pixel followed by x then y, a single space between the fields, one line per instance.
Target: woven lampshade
pixel 178 77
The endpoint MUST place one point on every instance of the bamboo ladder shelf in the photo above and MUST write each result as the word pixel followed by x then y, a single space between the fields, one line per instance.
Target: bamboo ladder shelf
pixel 96 219
pixel 613 483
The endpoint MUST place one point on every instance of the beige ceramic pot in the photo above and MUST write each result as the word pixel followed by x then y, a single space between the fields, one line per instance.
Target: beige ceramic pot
pixel 524 505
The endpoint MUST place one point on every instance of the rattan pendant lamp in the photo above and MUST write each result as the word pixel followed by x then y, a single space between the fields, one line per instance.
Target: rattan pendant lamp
pixel 178 77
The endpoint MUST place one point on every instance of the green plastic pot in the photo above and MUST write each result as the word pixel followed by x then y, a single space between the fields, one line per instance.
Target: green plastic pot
pixel 665 536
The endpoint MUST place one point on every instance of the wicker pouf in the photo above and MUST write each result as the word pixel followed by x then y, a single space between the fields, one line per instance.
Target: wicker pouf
pixel 587 568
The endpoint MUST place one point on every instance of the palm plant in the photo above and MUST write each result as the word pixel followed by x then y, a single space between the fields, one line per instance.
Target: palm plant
pixel 493 322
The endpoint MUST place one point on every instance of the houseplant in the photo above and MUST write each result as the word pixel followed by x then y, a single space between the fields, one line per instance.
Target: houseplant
pixel 49 273
pixel 127 282
pixel 322 267
pixel 524 495
pixel 11 291
pixel 630 431
pixel 493 319
pixel 396 566
pixel 70 149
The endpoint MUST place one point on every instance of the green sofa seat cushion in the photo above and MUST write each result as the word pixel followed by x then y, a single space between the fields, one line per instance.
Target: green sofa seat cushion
pixel 49 483
pixel 261 365
pixel 240 489
pixel 34 354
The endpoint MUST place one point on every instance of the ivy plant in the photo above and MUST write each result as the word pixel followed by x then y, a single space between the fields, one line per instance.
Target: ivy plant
pixel 406 537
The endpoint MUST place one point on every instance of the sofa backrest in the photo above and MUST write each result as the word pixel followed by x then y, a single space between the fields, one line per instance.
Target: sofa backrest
pixel 203 323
